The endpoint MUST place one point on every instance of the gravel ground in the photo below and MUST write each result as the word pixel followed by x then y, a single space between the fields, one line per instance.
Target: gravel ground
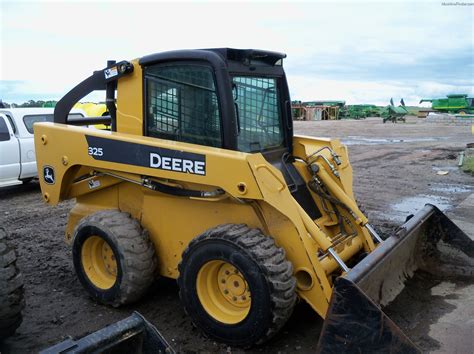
pixel 395 173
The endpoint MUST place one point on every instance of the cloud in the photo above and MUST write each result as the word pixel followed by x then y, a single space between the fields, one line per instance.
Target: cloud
pixel 361 52
pixel 18 91
pixel 455 68
pixel 356 91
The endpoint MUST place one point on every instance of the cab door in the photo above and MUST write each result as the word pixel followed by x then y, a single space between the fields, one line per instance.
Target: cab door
pixel 9 155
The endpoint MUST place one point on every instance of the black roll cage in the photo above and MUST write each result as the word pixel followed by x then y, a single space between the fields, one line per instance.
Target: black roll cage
pixel 225 62
pixel 105 79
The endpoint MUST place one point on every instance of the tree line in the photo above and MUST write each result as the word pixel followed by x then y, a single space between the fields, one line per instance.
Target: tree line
pixel 28 104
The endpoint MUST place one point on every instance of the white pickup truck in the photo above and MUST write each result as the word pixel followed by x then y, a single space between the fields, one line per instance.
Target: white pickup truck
pixel 17 147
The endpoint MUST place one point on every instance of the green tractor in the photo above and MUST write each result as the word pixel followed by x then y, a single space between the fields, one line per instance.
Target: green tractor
pixel 458 103
pixel 395 114
pixel 360 111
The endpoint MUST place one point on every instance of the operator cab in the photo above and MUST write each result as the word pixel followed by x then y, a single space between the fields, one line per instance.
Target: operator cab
pixel 228 98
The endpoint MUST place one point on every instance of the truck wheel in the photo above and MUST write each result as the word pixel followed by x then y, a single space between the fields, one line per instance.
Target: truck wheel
pixel 236 285
pixel 12 299
pixel 113 257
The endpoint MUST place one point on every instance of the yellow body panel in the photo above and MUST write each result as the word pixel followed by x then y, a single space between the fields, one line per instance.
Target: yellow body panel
pixel 130 102
pixel 53 138
pixel 173 222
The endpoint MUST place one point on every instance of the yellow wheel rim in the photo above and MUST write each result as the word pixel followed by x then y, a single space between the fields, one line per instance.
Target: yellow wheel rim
pixel 223 292
pixel 99 263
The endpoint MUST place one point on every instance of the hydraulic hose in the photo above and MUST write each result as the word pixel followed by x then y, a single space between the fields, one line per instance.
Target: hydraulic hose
pixel 167 189
pixel 180 192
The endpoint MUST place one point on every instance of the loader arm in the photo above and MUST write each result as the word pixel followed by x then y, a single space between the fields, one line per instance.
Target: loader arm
pixel 74 147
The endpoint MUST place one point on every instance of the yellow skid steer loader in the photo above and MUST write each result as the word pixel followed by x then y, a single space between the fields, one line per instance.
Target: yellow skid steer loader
pixel 201 179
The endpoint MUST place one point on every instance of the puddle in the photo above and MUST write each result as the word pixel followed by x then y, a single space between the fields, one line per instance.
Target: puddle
pixel 359 140
pixel 450 188
pixel 411 205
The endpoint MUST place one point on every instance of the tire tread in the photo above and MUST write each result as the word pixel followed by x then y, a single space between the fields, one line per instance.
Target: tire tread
pixel 278 271
pixel 139 253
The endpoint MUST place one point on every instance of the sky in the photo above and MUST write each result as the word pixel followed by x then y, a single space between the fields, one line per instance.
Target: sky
pixel 360 52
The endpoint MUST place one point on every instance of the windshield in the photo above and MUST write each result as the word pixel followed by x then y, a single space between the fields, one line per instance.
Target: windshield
pixel 258 111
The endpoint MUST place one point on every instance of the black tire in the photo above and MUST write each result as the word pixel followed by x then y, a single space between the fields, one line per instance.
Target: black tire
pixel 133 251
pixel 12 299
pixel 265 268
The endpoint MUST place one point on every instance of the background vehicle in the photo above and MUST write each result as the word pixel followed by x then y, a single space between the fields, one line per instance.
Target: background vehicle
pixel 393 114
pixel 202 180
pixel 17 150
pixel 94 110
pixel 458 103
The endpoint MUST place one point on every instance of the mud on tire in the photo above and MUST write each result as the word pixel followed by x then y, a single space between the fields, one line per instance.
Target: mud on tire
pixel 133 252
pixel 11 289
pixel 264 267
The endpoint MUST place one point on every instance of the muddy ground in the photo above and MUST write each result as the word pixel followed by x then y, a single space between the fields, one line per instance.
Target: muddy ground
pixel 395 173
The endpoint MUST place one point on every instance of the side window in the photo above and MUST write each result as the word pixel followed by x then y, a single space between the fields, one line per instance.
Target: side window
pixel 35 118
pixel 4 132
pixel 32 119
pixel 182 104
pixel 257 106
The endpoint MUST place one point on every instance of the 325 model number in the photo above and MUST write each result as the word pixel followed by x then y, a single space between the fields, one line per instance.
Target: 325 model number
pixel 95 151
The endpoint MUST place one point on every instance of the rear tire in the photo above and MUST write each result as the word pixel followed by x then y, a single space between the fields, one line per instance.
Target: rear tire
pixel 113 257
pixel 11 289
pixel 236 285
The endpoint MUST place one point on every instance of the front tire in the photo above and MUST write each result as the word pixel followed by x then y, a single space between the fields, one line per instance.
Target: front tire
pixel 236 285
pixel 113 257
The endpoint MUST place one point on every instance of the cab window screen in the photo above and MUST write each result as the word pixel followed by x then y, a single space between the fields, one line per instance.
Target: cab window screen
pixel 257 106
pixel 182 104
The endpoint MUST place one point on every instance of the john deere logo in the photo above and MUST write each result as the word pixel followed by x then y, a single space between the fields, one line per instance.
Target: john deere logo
pixel 48 174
